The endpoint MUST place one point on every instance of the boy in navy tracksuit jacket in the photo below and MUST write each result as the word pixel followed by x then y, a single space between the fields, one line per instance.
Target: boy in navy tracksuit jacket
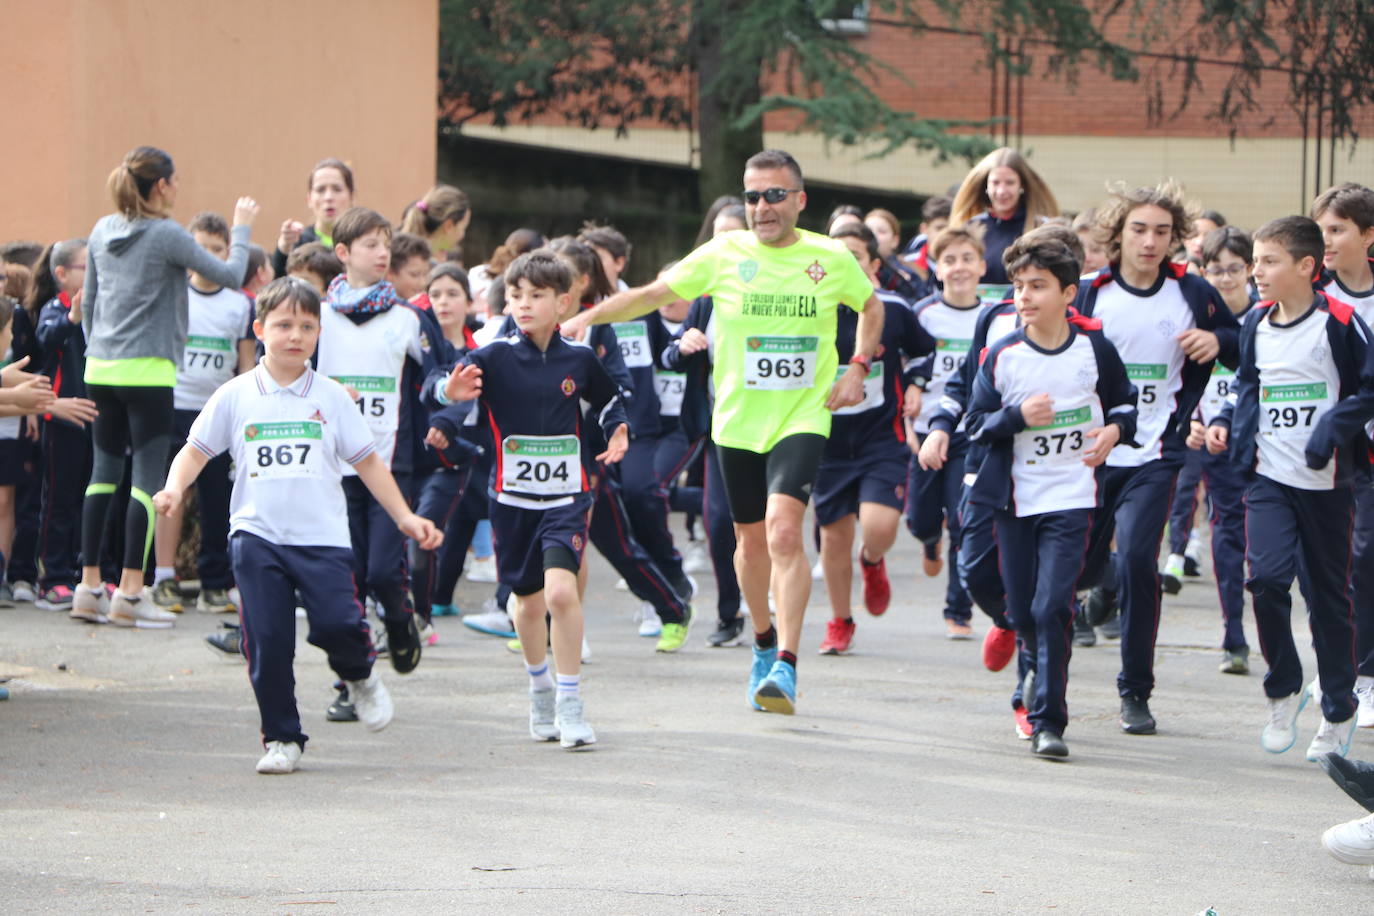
pixel 1168 326
pixel 1304 392
pixel 531 385
pixel 1050 402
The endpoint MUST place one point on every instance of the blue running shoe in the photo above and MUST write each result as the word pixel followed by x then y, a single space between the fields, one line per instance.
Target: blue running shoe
pixel 778 692
pixel 444 610
pixel 764 659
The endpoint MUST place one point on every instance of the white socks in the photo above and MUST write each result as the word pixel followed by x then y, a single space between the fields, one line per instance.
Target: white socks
pixel 540 678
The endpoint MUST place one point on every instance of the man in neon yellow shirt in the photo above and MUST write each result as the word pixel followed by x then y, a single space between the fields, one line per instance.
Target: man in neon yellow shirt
pixel 776 289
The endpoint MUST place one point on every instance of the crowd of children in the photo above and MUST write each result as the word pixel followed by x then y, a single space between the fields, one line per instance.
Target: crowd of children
pixel 1039 398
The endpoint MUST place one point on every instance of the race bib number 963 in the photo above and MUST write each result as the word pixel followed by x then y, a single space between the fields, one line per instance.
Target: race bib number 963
pixel 780 363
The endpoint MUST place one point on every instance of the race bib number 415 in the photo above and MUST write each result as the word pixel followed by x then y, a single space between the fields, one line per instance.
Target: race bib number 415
pixel 541 465
pixel 276 451
pixel 780 363
pixel 377 400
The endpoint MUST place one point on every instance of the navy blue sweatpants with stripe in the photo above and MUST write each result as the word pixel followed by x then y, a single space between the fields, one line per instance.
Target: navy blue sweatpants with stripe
pixel 379 551
pixel 1226 508
pixel 1041 557
pixel 610 533
pixel 1362 577
pixel 1284 526
pixel 933 504
pixel 268 576
pixel 720 538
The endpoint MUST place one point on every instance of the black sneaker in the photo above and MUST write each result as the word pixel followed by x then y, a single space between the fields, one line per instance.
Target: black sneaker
pixel 727 634
pixel 1355 777
pixel 341 710
pixel 1045 743
pixel 228 640
pixel 1111 627
pixel 1135 715
pixel 1099 605
pixel 403 644
pixel 1083 635
pixel 1191 568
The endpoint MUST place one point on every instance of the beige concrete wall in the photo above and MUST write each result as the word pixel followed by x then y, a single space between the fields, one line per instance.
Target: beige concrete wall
pixel 1256 180
pixel 245 95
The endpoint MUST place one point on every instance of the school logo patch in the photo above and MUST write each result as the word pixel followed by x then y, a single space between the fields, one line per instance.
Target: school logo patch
pixel 900 490
pixel 568 387
pixel 753 343
pixel 1166 328
pixel 748 270
pixel 577 543
pixel 816 272
pixel 600 351
pixel 512 445
pixel 1087 377
pixel 251 432
pixel 317 416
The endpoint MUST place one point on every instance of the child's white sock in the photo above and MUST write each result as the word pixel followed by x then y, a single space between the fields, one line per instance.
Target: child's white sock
pixel 164 572
pixel 568 685
pixel 540 678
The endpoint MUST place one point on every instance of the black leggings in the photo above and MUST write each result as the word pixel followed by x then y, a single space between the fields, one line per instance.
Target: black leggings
pixel 750 478
pixel 138 419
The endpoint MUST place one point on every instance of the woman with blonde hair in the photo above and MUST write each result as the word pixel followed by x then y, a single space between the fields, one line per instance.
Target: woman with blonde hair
pixel 1004 197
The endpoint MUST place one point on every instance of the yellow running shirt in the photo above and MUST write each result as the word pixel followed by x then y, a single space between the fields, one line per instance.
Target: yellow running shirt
pixel 775 360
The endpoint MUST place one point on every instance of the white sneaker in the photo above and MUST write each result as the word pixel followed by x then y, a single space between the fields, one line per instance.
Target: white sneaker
pixel 24 591
pixel 621 585
pixel 696 559
pixel 573 730
pixel 1281 731
pixel 1331 738
pixel 1364 692
pixel 1352 842
pixel 649 622
pixel 90 604
pixel 372 702
pixel 818 571
pixel 542 726
pixel 493 622
pixel 139 611
pixel 586 651
pixel 281 757
pixel 481 569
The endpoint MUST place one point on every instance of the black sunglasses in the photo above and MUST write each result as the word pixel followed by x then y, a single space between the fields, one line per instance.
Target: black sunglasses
pixel 772 195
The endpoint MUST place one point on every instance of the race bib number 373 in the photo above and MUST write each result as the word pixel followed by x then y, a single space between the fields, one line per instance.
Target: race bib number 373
pixel 780 363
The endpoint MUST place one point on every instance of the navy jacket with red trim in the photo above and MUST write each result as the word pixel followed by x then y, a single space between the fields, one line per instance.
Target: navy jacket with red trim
pixel 1340 433
pixel 63 346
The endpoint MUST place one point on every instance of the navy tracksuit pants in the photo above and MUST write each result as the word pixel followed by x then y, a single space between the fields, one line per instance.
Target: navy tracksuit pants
pixel 268 577
pixel 1226 511
pixel 1041 558
pixel 66 471
pixel 441 492
pixel 22 563
pixel 1362 577
pixel 720 538
pixel 643 473
pixel 1283 524
pixel 1133 506
pixel 978 564
pixel 933 499
pixel 610 533
pixel 379 551
pixel 213 492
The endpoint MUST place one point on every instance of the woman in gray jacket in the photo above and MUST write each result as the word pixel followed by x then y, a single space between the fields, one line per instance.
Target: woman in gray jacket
pixel 135 322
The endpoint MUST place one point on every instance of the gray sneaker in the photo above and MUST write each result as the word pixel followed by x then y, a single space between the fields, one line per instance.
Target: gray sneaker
pixel 542 727
pixel 90 604
pixel 167 595
pixel 6 595
pixel 215 601
pixel 573 730
pixel 139 611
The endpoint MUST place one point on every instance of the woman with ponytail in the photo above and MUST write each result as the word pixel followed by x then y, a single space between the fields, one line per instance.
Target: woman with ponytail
pixel 441 218
pixel 134 315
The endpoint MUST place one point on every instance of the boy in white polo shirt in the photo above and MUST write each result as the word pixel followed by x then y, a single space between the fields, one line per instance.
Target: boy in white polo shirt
pixel 291 433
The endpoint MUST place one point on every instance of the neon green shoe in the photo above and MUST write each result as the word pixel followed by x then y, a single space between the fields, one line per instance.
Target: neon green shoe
pixel 675 634
pixel 514 646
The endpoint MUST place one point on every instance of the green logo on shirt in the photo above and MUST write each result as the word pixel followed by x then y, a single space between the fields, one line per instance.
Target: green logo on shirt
pixel 1064 418
pixel 375 383
pixel 1146 371
pixel 208 343
pixel 1313 392
pixel 748 270
pixel 305 429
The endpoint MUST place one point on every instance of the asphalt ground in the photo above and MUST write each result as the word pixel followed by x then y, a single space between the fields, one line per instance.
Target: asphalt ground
pixel 126 773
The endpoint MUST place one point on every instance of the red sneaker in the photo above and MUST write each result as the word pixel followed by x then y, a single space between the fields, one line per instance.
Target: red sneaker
pixel 1023 726
pixel 999 646
pixel 877 590
pixel 839 635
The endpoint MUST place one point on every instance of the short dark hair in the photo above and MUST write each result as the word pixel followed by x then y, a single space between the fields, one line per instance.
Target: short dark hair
pixel 1212 216
pixel 937 207
pixel 284 291
pixel 1046 253
pixel 1300 236
pixel 607 237
pixel 315 258
pixel 1063 233
pixel 257 260
pixel 776 159
pixel 210 224
pixel 862 233
pixel 544 268
pixel 1349 201
pixel 1227 238
pixel 358 222
pixel 453 272
pixel 405 246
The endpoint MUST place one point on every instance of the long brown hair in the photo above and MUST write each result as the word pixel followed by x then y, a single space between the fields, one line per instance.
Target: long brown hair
pixel 972 197
pixel 440 204
pixel 135 178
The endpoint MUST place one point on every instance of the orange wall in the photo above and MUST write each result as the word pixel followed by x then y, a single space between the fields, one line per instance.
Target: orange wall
pixel 245 96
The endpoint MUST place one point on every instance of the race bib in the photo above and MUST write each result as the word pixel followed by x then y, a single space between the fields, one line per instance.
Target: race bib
pixel 541 465
pixel 670 386
pixel 209 357
pixel 1290 411
pixel 634 343
pixel 1219 388
pixel 377 400
pixel 1149 379
pixel 873 391
pixel 994 292
pixel 780 363
pixel 949 356
pixel 282 450
pixel 1062 441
